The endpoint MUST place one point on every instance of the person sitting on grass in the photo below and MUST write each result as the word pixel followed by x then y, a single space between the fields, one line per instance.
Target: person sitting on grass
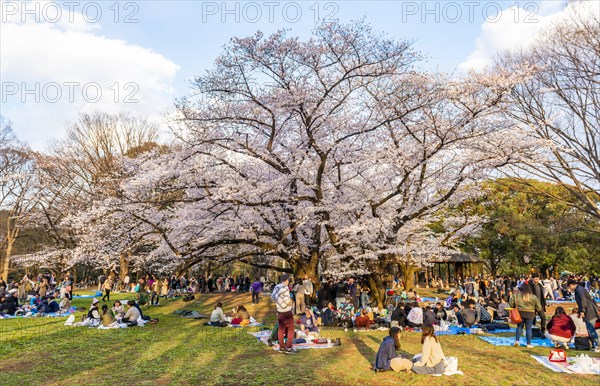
pixel 412 294
pixel 483 315
pixel 65 304
pixel 469 314
pixel 217 317
pixel 363 320
pixel 106 316
pixel 35 300
pixel 132 315
pixel 398 318
pixel 92 319
pixel 560 329
pixel 386 358
pixel 582 338
pixel 118 309
pixel 9 303
pixel 432 356
pixel 53 306
pixel 502 308
pixel 240 316
pixel 328 315
pixel 440 312
pixel 308 325
pixel 415 316
pixel 429 317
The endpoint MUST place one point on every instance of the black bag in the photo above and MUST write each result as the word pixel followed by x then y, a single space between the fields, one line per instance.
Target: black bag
pixel 537 333
pixel 188 298
pixel 497 326
pixel 582 343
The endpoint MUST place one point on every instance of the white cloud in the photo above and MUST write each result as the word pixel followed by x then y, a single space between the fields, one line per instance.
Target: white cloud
pixel 516 29
pixel 45 57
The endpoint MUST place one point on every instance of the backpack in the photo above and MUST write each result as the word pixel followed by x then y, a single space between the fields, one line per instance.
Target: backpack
pixel 537 333
pixel 582 343
pixel 188 298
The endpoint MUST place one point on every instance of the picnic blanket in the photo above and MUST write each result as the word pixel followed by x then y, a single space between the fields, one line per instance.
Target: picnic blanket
pixel 566 301
pixel 83 296
pixel 72 310
pixel 252 324
pixel 506 341
pixel 476 330
pixel 262 336
pixel 190 314
pixel 568 367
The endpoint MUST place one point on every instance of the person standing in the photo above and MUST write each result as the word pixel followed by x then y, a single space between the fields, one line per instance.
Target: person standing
pixel 538 291
pixel 353 291
pixel 285 317
pixel 156 288
pixel 101 280
pixel 309 290
pixel 588 311
pixel 107 286
pixel 364 296
pixel 256 288
pixel 299 289
pixel 340 293
pixel 126 280
pixel 528 305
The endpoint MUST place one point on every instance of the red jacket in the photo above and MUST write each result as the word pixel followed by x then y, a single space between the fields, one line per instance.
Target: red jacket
pixel 562 326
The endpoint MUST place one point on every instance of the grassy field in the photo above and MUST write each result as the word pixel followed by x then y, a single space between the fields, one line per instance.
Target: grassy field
pixel 178 351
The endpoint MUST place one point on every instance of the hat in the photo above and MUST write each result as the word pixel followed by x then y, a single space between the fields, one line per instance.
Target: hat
pixel 571 281
pixel 12 291
pixel 95 301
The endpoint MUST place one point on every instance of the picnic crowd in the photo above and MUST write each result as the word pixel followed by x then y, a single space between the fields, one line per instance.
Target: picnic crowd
pixel 486 303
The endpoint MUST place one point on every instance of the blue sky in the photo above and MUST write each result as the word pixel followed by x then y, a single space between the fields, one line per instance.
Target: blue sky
pixel 149 49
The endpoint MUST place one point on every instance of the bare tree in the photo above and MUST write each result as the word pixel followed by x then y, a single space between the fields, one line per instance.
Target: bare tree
pixel 71 174
pixel 17 191
pixel 560 106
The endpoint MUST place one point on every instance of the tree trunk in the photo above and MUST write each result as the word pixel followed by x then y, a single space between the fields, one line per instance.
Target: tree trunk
pixel 409 276
pixel 6 261
pixel 206 276
pixel 123 266
pixel 310 270
pixel 377 287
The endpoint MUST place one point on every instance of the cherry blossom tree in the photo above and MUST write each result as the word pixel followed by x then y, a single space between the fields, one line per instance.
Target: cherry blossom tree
pixel 332 155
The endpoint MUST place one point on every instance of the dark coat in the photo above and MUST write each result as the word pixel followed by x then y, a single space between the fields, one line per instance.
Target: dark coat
pixel 585 303
pixel 386 352
pixel 538 290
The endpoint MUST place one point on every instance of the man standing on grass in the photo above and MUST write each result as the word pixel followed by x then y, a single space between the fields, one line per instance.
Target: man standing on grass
pixel 588 311
pixel 285 317
pixel 256 289
pixel 538 290
pixel 308 291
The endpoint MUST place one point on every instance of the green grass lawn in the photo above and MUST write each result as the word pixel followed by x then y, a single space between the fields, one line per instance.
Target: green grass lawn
pixel 178 351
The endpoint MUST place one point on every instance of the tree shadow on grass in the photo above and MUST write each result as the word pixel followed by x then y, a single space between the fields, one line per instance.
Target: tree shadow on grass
pixel 401 352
